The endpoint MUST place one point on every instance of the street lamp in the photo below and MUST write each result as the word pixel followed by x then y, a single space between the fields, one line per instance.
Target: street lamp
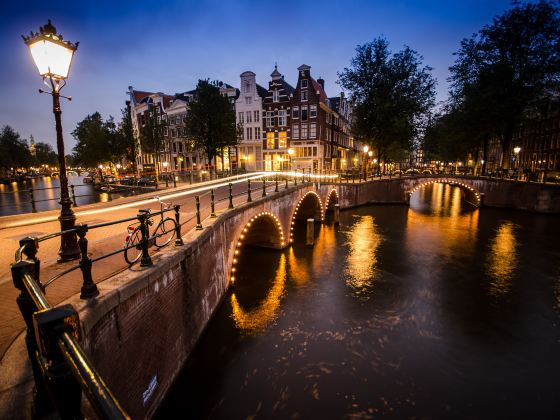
pixel 365 149
pixel 53 58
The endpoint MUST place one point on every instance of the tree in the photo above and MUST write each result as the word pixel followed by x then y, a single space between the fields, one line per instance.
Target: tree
pixel 98 141
pixel 44 154
pixel 152 134
pixel 14 151
pixel 507 68
pixel 211 120
pixel 393 94
pixel 127 136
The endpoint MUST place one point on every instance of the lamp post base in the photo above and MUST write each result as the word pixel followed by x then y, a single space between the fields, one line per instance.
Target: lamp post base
pixel 69 249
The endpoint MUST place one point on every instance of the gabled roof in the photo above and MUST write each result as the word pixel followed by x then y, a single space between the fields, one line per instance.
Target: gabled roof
pixel 262 92
pixel 317 86
pixel 289 88
pixel 140 94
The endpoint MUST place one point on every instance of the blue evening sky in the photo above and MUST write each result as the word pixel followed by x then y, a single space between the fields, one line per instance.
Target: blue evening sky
pixel 166 46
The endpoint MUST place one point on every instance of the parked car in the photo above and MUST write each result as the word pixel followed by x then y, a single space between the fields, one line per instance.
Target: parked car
pixel 147 181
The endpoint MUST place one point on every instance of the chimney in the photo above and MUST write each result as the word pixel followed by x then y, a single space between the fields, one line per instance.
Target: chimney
pixel 321 82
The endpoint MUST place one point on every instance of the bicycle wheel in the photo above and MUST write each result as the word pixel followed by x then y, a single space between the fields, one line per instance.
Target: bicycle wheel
pixel 133 254
pixel 165 232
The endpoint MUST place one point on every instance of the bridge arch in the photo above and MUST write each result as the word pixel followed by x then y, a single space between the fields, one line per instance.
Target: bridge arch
pixel 262 230
pixel 331 200
pixel 473 196
pixel 309 206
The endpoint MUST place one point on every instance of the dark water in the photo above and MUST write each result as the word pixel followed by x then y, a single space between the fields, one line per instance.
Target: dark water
pixel 437 311
pixel 15 198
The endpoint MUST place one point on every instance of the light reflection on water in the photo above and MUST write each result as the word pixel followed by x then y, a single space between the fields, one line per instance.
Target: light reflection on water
pixel 363 242
pixel 393 313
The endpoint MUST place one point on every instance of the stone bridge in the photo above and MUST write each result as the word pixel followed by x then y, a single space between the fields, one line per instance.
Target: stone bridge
pixel 141 329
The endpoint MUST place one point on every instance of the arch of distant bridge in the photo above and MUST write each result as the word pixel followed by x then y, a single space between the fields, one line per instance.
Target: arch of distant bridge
pixel 460 183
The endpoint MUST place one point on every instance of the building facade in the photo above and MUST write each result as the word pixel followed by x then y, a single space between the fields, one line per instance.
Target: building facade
pixel 249 116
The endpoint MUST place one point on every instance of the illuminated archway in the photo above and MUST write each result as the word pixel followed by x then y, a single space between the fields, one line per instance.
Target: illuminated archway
pixel 460 184
pixel 332 199
pixel 262 230
pixel 309 206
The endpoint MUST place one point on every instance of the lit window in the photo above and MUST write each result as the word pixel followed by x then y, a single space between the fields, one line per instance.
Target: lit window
pixel 282 139
pixel 270 140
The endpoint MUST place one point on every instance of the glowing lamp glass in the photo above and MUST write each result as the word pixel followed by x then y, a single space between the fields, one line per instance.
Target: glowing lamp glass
pixel 52 57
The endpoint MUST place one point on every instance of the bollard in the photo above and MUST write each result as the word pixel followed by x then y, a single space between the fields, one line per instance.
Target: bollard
pixel 143 216
pixel 73 196
pixel 310 237
pixel 178 238
pixel 89 288
pixel 249 199
pixel 230 206
pixel 336 214
pixel 174 180
pixel 353 177
pixel 276 187
pixel 198 223
pixel 33 208
pixel 264 188
pixel 212 205
pixel 166 181
pixel 286 182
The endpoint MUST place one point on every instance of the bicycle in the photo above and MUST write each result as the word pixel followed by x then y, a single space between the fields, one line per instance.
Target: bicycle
pixel 163 234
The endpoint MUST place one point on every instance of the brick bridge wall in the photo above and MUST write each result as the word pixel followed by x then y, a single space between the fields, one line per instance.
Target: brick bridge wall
pixel 142 328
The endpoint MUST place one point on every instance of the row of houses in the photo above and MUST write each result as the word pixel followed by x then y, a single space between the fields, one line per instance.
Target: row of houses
pixel 284 127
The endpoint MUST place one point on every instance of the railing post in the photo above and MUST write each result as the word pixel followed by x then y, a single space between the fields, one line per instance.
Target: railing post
pixel 178 238
pixel 249 199
pixel 212 204
pixel 230 206
pixel 74 203
pixel 264 187
pixel 63 386
pixel 33 208
pixel 30 251
pixel 197 203
pixel 143 216
pixel 42 403
pixel 276 187
pixel 89 288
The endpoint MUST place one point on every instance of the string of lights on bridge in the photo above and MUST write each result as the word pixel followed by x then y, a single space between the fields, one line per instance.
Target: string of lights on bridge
pixel 450 182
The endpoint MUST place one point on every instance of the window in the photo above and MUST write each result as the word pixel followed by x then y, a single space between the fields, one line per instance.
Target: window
pixel 282 117
pixel 178 119
pixel 249 133
pixel 257 133
pixel 173 133
pixel 295 112
pixel 247 100
pixel 304 131
pixel 304 113
pixel 269 119
pixel 304 83
pixel 275 96
pixel 304 95
pixel 180 147
pixel 312 131
pixel 247 87
pixel 313 111
pixel 282 139
pixel 256 114
pixel 174 147
pixel 240 117
pixel 295 131
pixel 165 132
pixel 248 116
pixel 270 140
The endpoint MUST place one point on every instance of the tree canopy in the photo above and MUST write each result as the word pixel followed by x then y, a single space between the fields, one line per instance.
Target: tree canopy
pixel 393 92
pixel 506 68
pixel 14 151
pixel 211 120
pixel 97 141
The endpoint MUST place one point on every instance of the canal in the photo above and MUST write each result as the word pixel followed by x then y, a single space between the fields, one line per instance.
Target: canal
pixel 440 310
pixel 15 197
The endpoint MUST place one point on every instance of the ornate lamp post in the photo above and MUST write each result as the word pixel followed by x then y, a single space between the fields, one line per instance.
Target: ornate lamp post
pixel 53 58
pixel 365 149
